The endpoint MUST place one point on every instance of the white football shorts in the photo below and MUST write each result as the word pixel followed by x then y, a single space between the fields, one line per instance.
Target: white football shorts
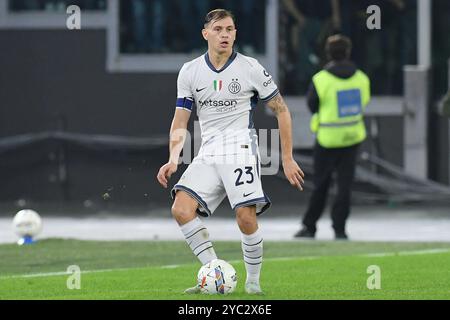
pixel 211 178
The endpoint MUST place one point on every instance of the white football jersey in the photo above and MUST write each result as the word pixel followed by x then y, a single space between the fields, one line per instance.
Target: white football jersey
pixel 225 100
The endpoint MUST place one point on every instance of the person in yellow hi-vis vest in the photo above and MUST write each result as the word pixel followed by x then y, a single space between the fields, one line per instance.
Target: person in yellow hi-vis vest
pixel 337 98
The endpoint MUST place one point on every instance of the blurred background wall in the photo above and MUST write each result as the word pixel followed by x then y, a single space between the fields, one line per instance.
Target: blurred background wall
pixel 116 77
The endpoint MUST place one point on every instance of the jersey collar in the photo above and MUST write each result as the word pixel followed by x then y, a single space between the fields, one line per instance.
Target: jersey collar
pixel 230 60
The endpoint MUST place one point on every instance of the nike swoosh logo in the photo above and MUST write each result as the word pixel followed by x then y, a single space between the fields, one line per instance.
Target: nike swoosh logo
pixel 246 195
pixel 198 90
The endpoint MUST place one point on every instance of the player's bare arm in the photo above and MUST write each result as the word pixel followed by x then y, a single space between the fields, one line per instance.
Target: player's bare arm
pixel 177 138
pixel 291 169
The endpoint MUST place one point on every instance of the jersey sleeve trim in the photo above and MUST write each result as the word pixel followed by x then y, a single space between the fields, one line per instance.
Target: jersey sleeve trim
pixel 270 96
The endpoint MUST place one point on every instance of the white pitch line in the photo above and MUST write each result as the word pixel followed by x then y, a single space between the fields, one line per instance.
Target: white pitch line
pixel 173 266
pixel 406 253
pixel 61 273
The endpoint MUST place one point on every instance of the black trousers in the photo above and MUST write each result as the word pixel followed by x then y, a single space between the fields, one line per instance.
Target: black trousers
pixel 326 162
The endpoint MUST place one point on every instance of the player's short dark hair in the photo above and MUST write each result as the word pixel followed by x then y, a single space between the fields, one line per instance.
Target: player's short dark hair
pixel 218 14
pixel 338 47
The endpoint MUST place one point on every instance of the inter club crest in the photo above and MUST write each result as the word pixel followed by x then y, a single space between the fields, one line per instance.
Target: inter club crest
pixel 234 86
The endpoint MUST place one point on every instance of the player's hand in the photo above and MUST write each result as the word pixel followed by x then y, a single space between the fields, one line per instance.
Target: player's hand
pixel 293 173
pixel 165 173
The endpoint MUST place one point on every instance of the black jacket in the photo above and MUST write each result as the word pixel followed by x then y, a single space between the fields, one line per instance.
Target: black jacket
pixel 342 69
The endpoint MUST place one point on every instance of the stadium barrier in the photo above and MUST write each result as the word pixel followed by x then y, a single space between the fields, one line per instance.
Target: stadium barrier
pixel 416 120
pixel 90 141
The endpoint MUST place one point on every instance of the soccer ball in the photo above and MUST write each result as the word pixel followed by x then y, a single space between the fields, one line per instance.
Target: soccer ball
pixel 217 277
pixel 27 223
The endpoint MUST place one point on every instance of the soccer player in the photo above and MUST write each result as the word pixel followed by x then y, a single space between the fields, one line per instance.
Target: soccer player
pixel 224 86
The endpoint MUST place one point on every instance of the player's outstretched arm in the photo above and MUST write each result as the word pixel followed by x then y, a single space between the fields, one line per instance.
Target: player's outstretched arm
pixel 291 169
pixel 177 138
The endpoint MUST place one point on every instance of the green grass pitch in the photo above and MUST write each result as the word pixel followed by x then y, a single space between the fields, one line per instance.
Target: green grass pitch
pixel 154 270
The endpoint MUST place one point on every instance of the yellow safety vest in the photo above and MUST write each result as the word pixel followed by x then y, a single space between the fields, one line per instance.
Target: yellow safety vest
pixel 339 122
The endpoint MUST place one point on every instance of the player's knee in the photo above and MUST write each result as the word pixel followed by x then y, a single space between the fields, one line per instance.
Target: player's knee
pixel 182 213
pixel 246 220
